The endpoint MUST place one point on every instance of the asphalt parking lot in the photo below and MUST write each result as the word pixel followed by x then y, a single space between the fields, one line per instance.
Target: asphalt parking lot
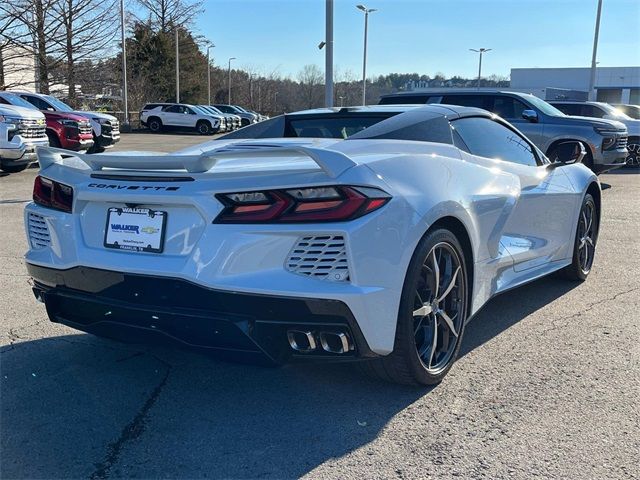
pixel 547 386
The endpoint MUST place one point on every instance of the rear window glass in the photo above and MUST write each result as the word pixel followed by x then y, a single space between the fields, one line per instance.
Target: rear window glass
pixel 330 127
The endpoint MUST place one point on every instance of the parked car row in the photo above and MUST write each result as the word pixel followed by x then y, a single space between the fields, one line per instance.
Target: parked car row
pixel 30 119
pixel 204 119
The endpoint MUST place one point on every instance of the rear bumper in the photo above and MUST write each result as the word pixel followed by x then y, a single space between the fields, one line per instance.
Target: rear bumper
pixel 151 309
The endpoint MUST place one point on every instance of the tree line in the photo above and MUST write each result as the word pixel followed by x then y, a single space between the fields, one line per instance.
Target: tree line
pixel 77 42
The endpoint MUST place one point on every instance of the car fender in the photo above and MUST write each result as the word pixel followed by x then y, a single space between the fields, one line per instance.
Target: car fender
pixel 480 196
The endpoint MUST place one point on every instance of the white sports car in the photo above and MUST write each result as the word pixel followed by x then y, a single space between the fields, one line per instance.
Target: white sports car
pixel 377 246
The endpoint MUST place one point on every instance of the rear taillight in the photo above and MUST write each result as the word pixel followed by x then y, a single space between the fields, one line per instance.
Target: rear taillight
pixel 308 204
pixel 52 194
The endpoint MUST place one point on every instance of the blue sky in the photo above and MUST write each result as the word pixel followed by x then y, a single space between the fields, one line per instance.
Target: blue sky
pixel 424 36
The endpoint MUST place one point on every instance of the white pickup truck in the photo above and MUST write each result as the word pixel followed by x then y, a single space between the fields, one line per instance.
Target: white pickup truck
pixel 21 131
pixel 180 116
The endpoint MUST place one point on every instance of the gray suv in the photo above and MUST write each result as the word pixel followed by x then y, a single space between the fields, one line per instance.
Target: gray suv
pixel 546 126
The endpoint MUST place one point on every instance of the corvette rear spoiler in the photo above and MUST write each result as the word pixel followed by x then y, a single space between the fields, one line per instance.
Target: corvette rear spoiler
pixel 333 163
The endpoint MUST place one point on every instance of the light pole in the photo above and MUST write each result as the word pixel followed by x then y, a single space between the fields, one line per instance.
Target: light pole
pixel 177 69
pixel 592 79
pixel 366 11
pixel 229 96
pixel 124 69
pixel 328 56
pixel 209 47
pixel 481 51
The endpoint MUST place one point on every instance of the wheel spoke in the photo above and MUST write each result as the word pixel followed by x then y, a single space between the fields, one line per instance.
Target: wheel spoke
pixel 588 229
pixel 434 342
pixel 449 322
pixel 586 258
pixel 423 311
pixel 450 286
pixel 436 274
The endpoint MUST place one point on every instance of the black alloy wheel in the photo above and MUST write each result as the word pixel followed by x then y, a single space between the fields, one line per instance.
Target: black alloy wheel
pixel 433 310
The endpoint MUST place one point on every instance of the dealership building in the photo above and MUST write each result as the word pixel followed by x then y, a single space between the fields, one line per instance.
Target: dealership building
pixel 612 85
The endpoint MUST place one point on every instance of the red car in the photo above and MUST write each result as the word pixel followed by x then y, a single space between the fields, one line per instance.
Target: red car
pixel 64 129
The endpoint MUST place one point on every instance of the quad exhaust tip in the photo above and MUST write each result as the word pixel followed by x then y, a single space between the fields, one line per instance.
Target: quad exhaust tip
pixel 301 341
pixel 331 342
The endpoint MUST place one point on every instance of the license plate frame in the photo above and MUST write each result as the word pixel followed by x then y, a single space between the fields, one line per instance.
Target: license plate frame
pixel 124 224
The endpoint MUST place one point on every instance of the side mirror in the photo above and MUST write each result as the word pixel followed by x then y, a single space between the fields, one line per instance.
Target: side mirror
pixel 567 153
pixel 530 115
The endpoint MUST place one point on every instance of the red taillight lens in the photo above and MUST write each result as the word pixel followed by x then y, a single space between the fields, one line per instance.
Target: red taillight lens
pixel 315 204
pixel 52 194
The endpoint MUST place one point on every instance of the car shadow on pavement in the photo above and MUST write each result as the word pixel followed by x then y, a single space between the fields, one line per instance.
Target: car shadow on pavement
pixel 507 309
pixel 79 406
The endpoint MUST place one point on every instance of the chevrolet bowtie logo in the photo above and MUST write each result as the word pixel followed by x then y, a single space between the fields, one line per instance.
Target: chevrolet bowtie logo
pixel 149 230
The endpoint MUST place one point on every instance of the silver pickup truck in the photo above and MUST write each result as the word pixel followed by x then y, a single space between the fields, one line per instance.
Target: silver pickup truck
pixel 605 140
pixel 21 131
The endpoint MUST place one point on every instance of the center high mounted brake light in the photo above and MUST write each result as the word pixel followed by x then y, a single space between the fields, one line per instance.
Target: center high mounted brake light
pixel 295 205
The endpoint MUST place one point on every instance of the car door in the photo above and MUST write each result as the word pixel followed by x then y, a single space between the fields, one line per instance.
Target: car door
pixel 539 225
pixel 173 116
pixel 190 117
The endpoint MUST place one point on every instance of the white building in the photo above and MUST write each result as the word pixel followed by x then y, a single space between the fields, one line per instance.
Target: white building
pixel 612 85
pixel 17 68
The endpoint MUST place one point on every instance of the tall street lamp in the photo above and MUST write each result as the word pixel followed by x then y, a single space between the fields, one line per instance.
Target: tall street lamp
pixel 229 96
pixel 366 11
pixel 209 47
pixel 328 59
pixel 481 51
pixel 125 98
pixel 177 69
pixel 592 78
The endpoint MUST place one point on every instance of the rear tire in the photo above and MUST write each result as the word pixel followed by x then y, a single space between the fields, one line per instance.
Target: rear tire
pixel 584 247
pixel 432 315
pixel 203 127
pixel 155 124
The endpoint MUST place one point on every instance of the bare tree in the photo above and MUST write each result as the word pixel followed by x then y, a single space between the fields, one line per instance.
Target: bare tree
pixel 29 24
pixel 164 14
pixel 310 78
pixel 89 30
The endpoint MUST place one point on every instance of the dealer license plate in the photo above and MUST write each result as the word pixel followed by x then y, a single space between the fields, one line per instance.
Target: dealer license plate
pixel 135 229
